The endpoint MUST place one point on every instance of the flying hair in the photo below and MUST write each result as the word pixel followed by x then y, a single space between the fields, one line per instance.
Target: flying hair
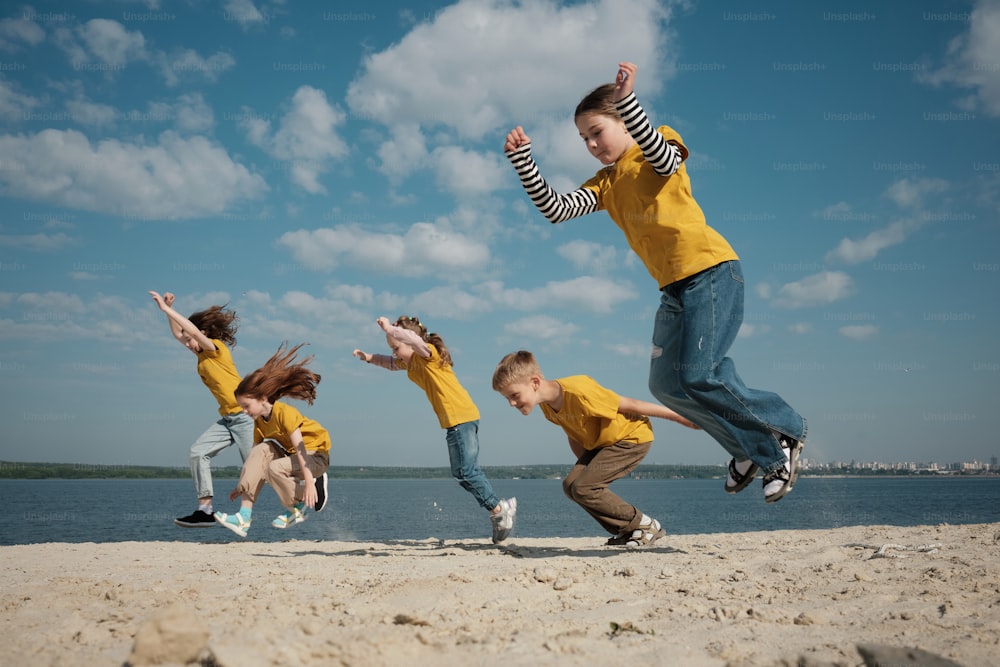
pixel 282 375
pixel 218 323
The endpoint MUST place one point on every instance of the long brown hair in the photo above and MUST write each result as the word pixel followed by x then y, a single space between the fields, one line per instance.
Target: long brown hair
pixel 413 324
pixel 218 323
pixel 280 376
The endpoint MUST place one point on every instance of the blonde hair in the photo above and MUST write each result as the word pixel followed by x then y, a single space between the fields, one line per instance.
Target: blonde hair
pixel 280 376
pixel 515 368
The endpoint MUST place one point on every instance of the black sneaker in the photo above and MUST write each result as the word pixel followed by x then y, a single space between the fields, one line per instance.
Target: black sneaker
pixel 321 483
pixel 196 519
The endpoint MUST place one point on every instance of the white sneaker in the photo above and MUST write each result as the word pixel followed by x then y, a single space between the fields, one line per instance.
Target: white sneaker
pixel 503 521
pixel 778 483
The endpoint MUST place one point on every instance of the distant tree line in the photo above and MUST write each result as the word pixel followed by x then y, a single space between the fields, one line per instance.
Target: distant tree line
pixel 17 470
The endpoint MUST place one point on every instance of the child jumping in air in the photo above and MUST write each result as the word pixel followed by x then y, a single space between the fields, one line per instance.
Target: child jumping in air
pixel 609 435
pixel 427 362
pixel 290 451
pixel 644 188
pixel 209 333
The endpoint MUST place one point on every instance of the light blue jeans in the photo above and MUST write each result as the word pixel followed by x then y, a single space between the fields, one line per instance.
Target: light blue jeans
pixel 689 372
pixel 234 429
pixel 463 453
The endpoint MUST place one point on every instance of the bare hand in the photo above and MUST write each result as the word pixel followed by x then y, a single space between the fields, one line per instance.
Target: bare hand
pixel 384 323
pixel 625 80
pixel 363 356
pixel 235 494
pixel 168 298
pixel 160 301
pixel 516 138
pixel 309 495
pixel 686 422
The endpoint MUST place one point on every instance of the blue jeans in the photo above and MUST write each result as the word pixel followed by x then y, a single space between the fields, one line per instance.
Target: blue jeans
pixel 234 429
pixel 696 323
pixel 463 453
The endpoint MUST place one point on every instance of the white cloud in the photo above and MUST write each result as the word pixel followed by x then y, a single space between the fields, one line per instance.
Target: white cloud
pixel 589 256
pixel 424 249
pixel 587 293
pixel 13 103
pixel 859 331
pixel 243 12
pixel 817 289
pixel 748 329
pixel 175 177
pixel 854 252
pixel 541 327
pixel 307 137
pixel 37 242
pixel 467 173
pixel 800 328
pixel 108 46
pixel 973 60
pixel 506 61
pixel 16 32
pixel 912 192
pixel 186 64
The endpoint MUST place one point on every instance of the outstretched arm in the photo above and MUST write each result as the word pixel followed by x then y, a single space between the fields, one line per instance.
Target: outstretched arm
pixel 383 360
pixel 180 325
pixel 634 406
pixel 554 206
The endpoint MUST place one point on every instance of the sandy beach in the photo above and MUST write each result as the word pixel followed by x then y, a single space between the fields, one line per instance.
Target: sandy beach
pixel 769 598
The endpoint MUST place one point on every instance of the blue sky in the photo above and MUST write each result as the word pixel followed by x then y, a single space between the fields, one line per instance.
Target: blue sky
pixel 316 168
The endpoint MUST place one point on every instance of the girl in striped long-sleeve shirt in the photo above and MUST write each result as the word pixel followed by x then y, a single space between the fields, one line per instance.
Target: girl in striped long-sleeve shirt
pixel 644 188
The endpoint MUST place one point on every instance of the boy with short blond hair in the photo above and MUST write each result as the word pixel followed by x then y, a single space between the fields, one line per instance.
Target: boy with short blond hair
pixel 609 434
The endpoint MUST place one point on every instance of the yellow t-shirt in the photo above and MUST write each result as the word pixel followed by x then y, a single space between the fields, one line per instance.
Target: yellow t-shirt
pixel 282 423
pixel 451 402
pixel 219 374
pixel 590 415
pixel 662 222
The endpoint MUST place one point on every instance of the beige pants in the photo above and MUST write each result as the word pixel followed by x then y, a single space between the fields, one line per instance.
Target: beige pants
pixel 269 462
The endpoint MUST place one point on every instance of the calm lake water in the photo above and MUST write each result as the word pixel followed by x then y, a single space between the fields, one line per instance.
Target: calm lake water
pixel 37 511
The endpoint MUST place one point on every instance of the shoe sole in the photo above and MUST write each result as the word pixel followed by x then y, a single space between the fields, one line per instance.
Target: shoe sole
pixel 283 526
pixel 506 531
pixel 793 475
pixel 200 524
pixel 657 535
pixel 326 495
pixel 236 529
pixel 748 477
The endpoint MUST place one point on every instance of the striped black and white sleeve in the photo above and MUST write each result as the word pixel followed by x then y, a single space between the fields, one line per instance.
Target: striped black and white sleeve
pixel 554 206
pixel 664 157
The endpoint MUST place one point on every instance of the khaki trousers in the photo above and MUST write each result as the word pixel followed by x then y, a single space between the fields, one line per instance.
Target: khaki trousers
pixel 587 484
pixel 269 462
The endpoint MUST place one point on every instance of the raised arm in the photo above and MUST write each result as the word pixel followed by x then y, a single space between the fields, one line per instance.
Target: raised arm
pixel 180 325
pixel 554 206
pixel 405 336
pixel 634 406
pixel 663 156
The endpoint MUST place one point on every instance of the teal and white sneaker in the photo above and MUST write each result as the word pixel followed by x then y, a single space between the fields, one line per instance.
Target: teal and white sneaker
pixel 234 522
pixel 290 517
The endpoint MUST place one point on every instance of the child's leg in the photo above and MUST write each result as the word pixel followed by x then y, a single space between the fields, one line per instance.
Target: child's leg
pixel 241 430
pixel 712 311
pixel 254 471
pixel 284 475
pixel 587 484
pixel 216 438
pixel 463 454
